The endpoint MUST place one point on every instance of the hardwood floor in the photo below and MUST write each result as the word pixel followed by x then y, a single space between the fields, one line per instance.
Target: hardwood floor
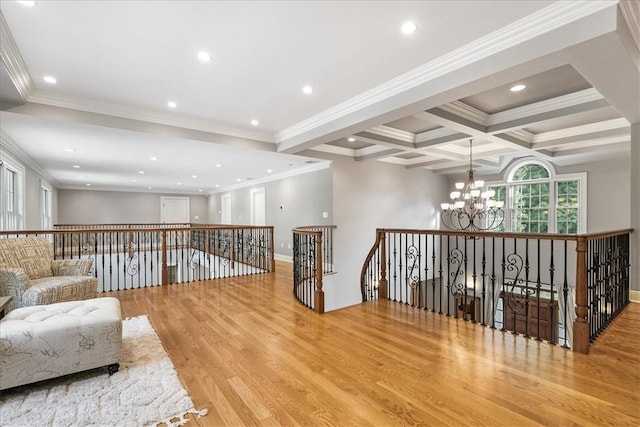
pixel 252 355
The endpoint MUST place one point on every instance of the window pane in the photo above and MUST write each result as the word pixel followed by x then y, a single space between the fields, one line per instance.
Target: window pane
pixel 531 208
pixel 531 171
pixel 501 195
pixel 567 206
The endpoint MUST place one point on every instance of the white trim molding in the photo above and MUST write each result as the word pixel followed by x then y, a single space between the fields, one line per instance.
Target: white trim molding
pixel 281 257
pixel 9 146
pixel 634 296
pixel 13 62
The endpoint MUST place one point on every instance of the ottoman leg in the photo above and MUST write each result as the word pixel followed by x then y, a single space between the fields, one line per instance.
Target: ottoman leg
pixel 113 368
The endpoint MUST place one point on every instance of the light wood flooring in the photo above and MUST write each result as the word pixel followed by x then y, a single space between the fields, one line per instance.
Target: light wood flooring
pixel 252 355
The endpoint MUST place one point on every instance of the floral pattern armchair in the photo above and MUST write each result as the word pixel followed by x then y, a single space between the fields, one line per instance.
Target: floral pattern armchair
pixel 31 276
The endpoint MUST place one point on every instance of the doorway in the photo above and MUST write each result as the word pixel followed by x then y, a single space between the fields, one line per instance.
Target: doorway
pixel 174 210
pixel 258 209
pixel 225 208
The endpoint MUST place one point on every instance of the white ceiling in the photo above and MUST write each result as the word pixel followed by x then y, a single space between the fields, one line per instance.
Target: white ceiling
pixel 413 100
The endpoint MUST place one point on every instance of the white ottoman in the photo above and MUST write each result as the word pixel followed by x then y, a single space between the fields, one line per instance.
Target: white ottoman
pixel 47 341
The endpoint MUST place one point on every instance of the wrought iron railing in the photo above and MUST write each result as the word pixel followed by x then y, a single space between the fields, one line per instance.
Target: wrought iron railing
pixel 312 258
pixel 607 279
pixel 127 258
pixel 530 284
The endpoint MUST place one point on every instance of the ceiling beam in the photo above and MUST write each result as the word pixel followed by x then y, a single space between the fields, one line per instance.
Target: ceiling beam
pixel 593 138
pixel 476 131
pixel 370 153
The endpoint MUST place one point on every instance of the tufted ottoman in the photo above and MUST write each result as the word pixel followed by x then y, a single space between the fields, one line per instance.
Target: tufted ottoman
pixel 47 341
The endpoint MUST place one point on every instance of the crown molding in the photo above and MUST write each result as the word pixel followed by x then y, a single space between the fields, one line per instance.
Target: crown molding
pixel 631 16
pixel 39 97
pixel 543 21
pixel 553 104
pixel 465 111
pixel 522 134
pixel 15 150
pixel 389 132
pixel 13 62
pixel 320 165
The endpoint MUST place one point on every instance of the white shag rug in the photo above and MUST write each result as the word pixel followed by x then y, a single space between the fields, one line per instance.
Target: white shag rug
pixel 145 391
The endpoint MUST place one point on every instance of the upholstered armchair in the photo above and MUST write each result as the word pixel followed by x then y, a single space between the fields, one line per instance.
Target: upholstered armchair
pixel 31 276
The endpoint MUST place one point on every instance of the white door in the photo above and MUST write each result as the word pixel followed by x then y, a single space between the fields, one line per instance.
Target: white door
pixel 175 210
pixel 258 214
pixel 225 208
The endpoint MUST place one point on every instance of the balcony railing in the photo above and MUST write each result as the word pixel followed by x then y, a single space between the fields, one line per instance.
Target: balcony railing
pixel 563 289
pixel 128 258
pixel 312 259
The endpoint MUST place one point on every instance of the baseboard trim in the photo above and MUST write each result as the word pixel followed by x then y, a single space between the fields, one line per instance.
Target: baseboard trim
pixel 285 258
pixel 634 296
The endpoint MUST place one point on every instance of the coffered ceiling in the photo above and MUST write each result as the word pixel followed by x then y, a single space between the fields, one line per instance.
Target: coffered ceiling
pixel 414 100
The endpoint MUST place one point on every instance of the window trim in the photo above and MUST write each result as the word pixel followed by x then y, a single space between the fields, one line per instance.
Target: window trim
pixel 553 179
pixel 48 203
pixel 12 164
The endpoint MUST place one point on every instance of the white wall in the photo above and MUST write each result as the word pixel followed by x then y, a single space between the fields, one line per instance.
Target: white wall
pixel 369 195
pixel 634 210
pixel 608 190
pixel 303 198
pixel 116 207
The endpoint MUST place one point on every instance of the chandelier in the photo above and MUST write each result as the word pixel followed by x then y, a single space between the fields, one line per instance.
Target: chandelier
pixel 472 208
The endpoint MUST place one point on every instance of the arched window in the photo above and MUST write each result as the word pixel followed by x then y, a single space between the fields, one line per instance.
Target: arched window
pixel 538 200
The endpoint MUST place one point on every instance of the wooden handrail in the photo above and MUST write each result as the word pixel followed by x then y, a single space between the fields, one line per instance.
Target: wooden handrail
pixel 510 235
pixel 124 230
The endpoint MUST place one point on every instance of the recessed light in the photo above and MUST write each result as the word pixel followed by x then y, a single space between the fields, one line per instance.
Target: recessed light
pixel 217 185
pixel 269 170
pixel 88 185
pixel 171 104
pixel 238 179
pixel 69 150
pixel 307 89
pixel 517 88
pixel 50 79
pixel 351 139
pixel 76 166
pixel 134 180
pixel 218 165
pixel 140 172
pixel 205 56
pixel 409 27
pixel 27 3
pixel 194 176
pixel 254 122
pixel 178 183
pixel 149 188
pixel 200 190
pixel 153 158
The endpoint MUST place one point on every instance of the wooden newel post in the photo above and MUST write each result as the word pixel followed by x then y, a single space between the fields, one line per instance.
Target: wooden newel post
pixel 383 285
pixel 581 323
pixel 233 248
pixel 319 296
pixel 165 270
pixel 272 250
